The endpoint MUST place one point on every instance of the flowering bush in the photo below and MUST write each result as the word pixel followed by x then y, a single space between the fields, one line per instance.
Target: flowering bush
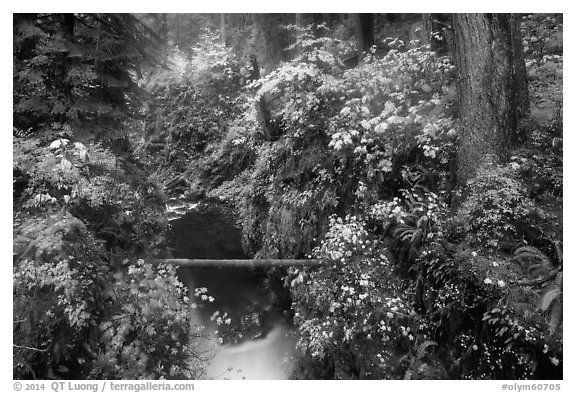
pixel 351 312
pixel 355 167
pixel 325 138
pixel 496 207
pixel 392 105
pixel 541 36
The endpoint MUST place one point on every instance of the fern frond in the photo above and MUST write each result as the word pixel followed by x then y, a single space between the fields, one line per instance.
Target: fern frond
pixel 555 316
pixel 423 348
pixel 400 230
pixel 537 265
pixel 549 298
pixel 529 252
pixel 527 255
pixel 559 252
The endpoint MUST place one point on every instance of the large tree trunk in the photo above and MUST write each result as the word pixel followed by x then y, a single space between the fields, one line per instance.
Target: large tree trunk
pixel 492 88
pixel 364 32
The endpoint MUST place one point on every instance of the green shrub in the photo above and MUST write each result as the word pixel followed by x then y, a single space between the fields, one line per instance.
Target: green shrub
pixel 81 210
pixel 147 332
pixel 121 203
pixel 352 311
pixel 496 207
pixel 329 140
pixel 59 286
pixel 192 103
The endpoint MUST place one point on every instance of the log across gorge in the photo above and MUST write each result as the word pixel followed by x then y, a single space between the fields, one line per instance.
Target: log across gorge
pixel 237 263
pixel 247 318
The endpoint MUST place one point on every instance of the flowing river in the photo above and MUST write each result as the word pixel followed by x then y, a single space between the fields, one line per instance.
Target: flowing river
pixel 248 335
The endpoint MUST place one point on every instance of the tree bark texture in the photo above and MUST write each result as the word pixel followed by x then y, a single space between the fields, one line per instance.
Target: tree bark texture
pixel 364 32
pixel 492 88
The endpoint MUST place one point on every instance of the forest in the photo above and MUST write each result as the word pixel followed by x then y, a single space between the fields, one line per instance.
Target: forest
pixel 417 158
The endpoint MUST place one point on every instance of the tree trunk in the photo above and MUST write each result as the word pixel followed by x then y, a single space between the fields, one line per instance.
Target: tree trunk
pixel 68 24
pixel 302 20
pixel 254 70
pixel 164 37
pixel 223 28
pixel 439 32
pixel 364 32
pixel 492 88
pixel 273 39
pixel 177 30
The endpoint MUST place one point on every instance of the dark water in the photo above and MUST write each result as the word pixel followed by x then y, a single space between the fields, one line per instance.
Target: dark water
pixel 206 232
pixel 255 343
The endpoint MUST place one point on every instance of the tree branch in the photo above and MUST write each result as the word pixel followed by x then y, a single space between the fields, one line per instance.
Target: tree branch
pixel 29 348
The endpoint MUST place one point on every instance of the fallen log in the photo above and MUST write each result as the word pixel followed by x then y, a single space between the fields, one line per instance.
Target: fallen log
pixel 237 263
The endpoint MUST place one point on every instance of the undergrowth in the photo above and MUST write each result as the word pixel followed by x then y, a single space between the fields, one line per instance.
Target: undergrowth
pixel 424 279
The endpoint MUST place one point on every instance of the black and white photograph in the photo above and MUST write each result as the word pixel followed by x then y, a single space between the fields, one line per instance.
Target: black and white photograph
pixel 287 196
